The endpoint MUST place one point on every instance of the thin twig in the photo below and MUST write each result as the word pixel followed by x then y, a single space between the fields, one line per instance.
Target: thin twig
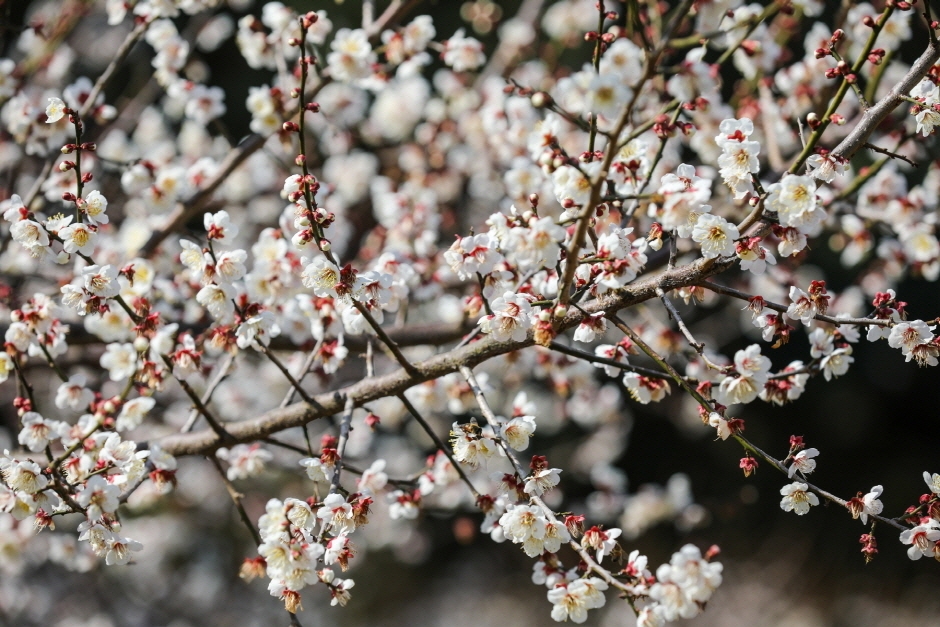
pixel 441 446
pixel 345 427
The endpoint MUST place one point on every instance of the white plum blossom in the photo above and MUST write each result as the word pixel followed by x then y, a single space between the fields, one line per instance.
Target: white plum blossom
pixel 933 482
pixel 715 235
pixel 541 481
pixel 517 432
pixel 922 538
pixel 245 460
pixel 797 498
pixel 463 53
pixel 804 462
pixel 468 256
pixel 510 320
pixel 872 506
pixel 738 160
pixel 55 110
pixel 794 200
pixel 571 601
pixel 352 56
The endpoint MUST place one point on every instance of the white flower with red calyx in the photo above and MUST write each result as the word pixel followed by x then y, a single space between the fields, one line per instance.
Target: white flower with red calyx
pixel 526 525
pixel 824 166
pixel 194 258
pixel 922 539
pixel 23 476
pixel 230 266
pixel 607 95
pixel 797 498
pixel 722 426
pixel 219 227
pixel 78 238
pixel 257 330
pixel 573 600
pixel 600 540
pixel 715 235
pixel 339 550
pixel 245 460
pixel 804 462
pixel 316 469
pixel 186 359
pixel 337 515
pixel 617 352
pixel 836 363
pixel 933 482
pixel 118 549
pixel 867 505
pixel 739 155
pixel 537 245
pixel 404 505
pixel 101 281
pixel 572 186
pixel 927 114
pixel 31 235
pixel 55 110
pixel 373 479
pixel 463 53
pixel 684 585
pixel 94 206
pixel 339 590
pixel 753 256
pixel 753 370
pixel 218 300
pixel 511 318
pixel 801 307
pixel 645 389
pixel 98 497
pixel 468 256
pixel 470 445
pixel 915 339
pixel 794 201
pixel 684 197
pixel 73 394
pixel 38 432
pixel 590 328
pixel 516 432
pixel 352 57
pixel 133 413
pixel 120 360
pixel 781 389
pixel 542 479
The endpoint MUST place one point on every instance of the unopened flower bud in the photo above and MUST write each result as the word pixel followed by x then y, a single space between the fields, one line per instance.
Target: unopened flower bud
pixel 65 166
pixel 290 127
pixel 325 245
pixel 540 99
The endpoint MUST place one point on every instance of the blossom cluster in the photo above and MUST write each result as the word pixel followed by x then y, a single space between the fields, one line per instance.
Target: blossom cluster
pixel 422 231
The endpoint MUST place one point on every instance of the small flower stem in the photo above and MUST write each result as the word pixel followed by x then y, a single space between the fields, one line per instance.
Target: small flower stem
pixel 344 429
pixel 389 342
pixel 236 499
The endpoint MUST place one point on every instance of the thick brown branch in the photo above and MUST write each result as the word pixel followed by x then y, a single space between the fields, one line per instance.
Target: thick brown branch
pixel 397 382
